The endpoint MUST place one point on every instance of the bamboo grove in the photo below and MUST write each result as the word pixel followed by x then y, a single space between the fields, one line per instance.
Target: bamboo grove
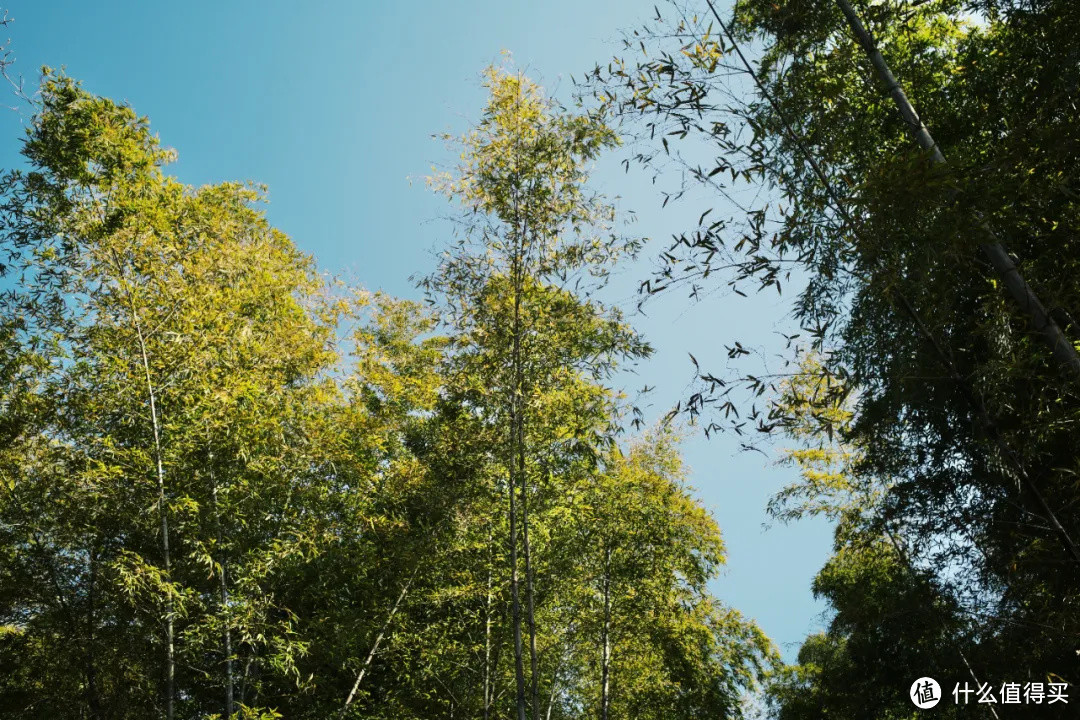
pixel 234 488
pixel 909 170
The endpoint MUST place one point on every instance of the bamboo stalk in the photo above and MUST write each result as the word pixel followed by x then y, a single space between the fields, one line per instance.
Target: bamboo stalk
pixel 170 640
pixel 223 589
pixel 487 638
pixel 515 422
pixel 1022 293
pixel 605 660
pixel 375 645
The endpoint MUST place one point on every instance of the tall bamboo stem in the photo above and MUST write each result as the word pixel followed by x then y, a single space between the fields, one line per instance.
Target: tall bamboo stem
pixel 1015 284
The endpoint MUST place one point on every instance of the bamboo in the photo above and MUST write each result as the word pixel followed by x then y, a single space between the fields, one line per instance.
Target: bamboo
pixel 977 406
pixel 1018 288
pixel 487 639
pixel 170 639
pixel 605 660
pixel 223 589
pixel 515 424
pixel 375 645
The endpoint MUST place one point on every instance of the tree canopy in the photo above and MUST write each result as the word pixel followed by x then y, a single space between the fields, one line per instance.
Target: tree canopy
pixel 235 488
pixel 936 422
pixel 218 500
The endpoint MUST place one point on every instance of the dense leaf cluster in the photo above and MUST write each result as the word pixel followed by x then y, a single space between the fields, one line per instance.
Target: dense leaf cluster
pixel 959 426
pixel 231 488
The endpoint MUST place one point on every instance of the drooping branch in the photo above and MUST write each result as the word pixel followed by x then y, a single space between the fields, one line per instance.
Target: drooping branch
pixel 944 357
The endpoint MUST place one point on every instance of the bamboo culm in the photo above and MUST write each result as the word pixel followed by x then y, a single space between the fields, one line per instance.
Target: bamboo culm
pixel 375 645
pixel 1015 284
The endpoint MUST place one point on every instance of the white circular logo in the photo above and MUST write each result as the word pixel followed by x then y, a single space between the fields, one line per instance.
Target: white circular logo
pixel 925 693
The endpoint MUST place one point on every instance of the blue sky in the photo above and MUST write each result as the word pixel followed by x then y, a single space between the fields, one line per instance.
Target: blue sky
pixel 332 104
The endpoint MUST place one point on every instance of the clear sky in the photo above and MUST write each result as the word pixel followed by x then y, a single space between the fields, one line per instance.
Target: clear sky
pixel 332 104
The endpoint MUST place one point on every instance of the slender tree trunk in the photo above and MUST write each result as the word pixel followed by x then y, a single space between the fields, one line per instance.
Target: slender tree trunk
pixel 487 635
pixel 551 694
pixel 496 656
pixel 170 640
pixel 530 608
pixel 515 599
pixel 1022 293
pixel 244 678
pixel 227 640
pixel 530 585
pixel 560 654
pixel 515 467
pixel 375 645
pixel 163 509
pixel 605 658
pixel 91 670
pixel 170 647
pixel 223 588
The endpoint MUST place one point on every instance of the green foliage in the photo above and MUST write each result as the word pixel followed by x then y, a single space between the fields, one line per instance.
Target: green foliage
pixel 530 350
pixel 930 398
pixel 211 505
